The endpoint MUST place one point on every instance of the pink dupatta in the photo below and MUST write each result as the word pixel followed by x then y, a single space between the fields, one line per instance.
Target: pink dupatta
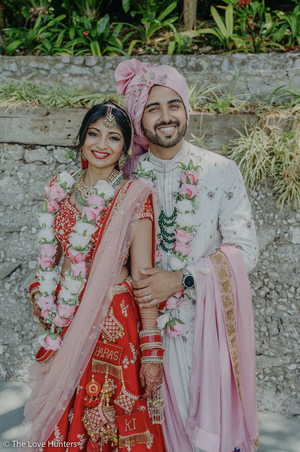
pixel 222 409
pixel 53 383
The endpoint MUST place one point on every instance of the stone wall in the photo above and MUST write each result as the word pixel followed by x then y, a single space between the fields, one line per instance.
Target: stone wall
pixel 275 282
pixel 260 74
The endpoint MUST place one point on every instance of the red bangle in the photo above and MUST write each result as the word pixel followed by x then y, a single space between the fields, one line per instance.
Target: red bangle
pixel 153 352
pixel 150 338
pixel 33 285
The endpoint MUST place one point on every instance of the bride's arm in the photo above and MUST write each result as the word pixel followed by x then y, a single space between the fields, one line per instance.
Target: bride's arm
pixel 141 257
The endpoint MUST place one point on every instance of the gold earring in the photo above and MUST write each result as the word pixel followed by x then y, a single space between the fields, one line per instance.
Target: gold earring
pixel 122 160
pixel 82 155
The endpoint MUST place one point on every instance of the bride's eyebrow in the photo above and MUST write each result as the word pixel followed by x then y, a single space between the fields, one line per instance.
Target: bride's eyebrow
pixel 115 133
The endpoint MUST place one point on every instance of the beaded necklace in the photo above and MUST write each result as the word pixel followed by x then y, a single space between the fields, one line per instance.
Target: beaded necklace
pixel 167 238
pixel 82 191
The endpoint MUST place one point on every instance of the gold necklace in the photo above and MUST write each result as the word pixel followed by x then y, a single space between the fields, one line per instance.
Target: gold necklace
pixel 83 192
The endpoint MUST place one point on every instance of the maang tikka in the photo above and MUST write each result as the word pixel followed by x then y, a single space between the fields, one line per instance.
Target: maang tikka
pixel 110 120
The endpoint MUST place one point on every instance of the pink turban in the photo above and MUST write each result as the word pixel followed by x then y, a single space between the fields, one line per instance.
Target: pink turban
pixel 135 80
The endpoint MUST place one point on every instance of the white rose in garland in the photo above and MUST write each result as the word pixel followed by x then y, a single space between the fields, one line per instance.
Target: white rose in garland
pixel 59 313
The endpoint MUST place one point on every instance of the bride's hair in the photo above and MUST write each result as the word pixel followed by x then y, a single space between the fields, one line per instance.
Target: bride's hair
pixel 99 111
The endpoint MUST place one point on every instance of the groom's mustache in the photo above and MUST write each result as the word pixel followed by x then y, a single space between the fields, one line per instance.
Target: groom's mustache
pixel 170 123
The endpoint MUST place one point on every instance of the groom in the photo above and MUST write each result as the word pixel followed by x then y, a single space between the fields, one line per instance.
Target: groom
pixel 158 102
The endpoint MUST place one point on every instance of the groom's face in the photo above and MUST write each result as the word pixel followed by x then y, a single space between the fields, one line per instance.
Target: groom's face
pixel 164 120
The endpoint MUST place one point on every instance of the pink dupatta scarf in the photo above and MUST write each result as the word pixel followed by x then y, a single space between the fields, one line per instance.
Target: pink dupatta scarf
pixel 53 383
pixel 222 410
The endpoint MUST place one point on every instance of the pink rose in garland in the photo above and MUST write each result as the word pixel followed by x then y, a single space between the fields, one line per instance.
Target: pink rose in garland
pixel 189 177
pixel 185 250
pixel 172 303
pixel 52 344
pixel 79 269
pixel 183 236
pixel 96 202
pixel 66 311
pixel 158 256
pixel 176 331
pixel 45 262
pixel 50 206
pixel 56 193
pixel 188 189
pixel 48 250
pixel 46 302
pixel 90 213
pixel 76 256
pixel 62 323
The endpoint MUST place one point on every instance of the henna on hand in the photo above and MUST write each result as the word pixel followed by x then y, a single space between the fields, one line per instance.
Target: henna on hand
pixel 151 376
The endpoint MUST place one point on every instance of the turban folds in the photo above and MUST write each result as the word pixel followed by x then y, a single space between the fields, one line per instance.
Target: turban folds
pixel 134 80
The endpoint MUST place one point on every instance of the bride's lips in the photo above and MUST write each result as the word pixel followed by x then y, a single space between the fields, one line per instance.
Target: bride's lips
pixel 100 155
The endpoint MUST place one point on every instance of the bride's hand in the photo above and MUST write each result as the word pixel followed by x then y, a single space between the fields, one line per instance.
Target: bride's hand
pixel 151 376
pixel 37 314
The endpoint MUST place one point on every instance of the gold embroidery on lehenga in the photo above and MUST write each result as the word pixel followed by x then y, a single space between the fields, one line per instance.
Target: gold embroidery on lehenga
pixel 223 271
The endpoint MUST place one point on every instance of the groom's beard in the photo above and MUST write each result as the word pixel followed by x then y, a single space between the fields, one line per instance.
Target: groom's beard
pixel 166 142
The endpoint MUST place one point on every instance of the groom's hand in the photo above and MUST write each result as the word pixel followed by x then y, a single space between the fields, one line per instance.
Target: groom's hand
pixel 160 285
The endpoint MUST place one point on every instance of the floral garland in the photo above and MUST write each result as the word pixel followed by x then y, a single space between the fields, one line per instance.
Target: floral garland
pixel 184 231
pixel 58 312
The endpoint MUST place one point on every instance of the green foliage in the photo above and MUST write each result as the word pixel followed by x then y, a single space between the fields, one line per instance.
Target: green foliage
pixel 151 25
pixel 268 151
pixel 94 36
pixel 31 39
pixel 290 26
pixel 180 44
pixel 224 30
pixel 27 92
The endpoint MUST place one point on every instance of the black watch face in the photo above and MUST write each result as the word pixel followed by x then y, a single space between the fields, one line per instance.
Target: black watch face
pixel 189 281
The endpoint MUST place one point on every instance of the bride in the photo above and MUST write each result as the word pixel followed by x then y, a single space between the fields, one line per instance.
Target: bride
pixel 97 377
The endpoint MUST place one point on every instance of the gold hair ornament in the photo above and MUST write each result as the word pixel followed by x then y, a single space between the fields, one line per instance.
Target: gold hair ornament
pixel 110 120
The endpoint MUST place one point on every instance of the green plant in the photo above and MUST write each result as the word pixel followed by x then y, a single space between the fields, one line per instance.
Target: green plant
pixel 180 44
pixel 32 39
pixel 256 27
pixel 15 92
pixel 291 26
pixel 89 8
pixel 94 36
pixel 150 25
pixel 224 31
pixel 268 151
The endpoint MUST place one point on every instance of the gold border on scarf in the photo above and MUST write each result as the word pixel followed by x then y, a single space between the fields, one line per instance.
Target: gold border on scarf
pixel 223 272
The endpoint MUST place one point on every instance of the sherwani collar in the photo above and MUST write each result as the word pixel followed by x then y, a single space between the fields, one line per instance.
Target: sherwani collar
pixel 164 166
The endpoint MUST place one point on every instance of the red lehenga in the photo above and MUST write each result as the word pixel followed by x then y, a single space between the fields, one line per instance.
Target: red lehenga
pixel 106 412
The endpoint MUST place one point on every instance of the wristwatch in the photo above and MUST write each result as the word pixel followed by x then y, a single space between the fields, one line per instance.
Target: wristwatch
pixel 188 280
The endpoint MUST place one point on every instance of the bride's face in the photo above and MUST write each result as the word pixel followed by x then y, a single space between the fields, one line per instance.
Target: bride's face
pixel 102 146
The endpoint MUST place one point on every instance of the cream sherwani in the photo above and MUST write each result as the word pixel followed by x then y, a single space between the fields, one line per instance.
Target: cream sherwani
pixel 223 216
